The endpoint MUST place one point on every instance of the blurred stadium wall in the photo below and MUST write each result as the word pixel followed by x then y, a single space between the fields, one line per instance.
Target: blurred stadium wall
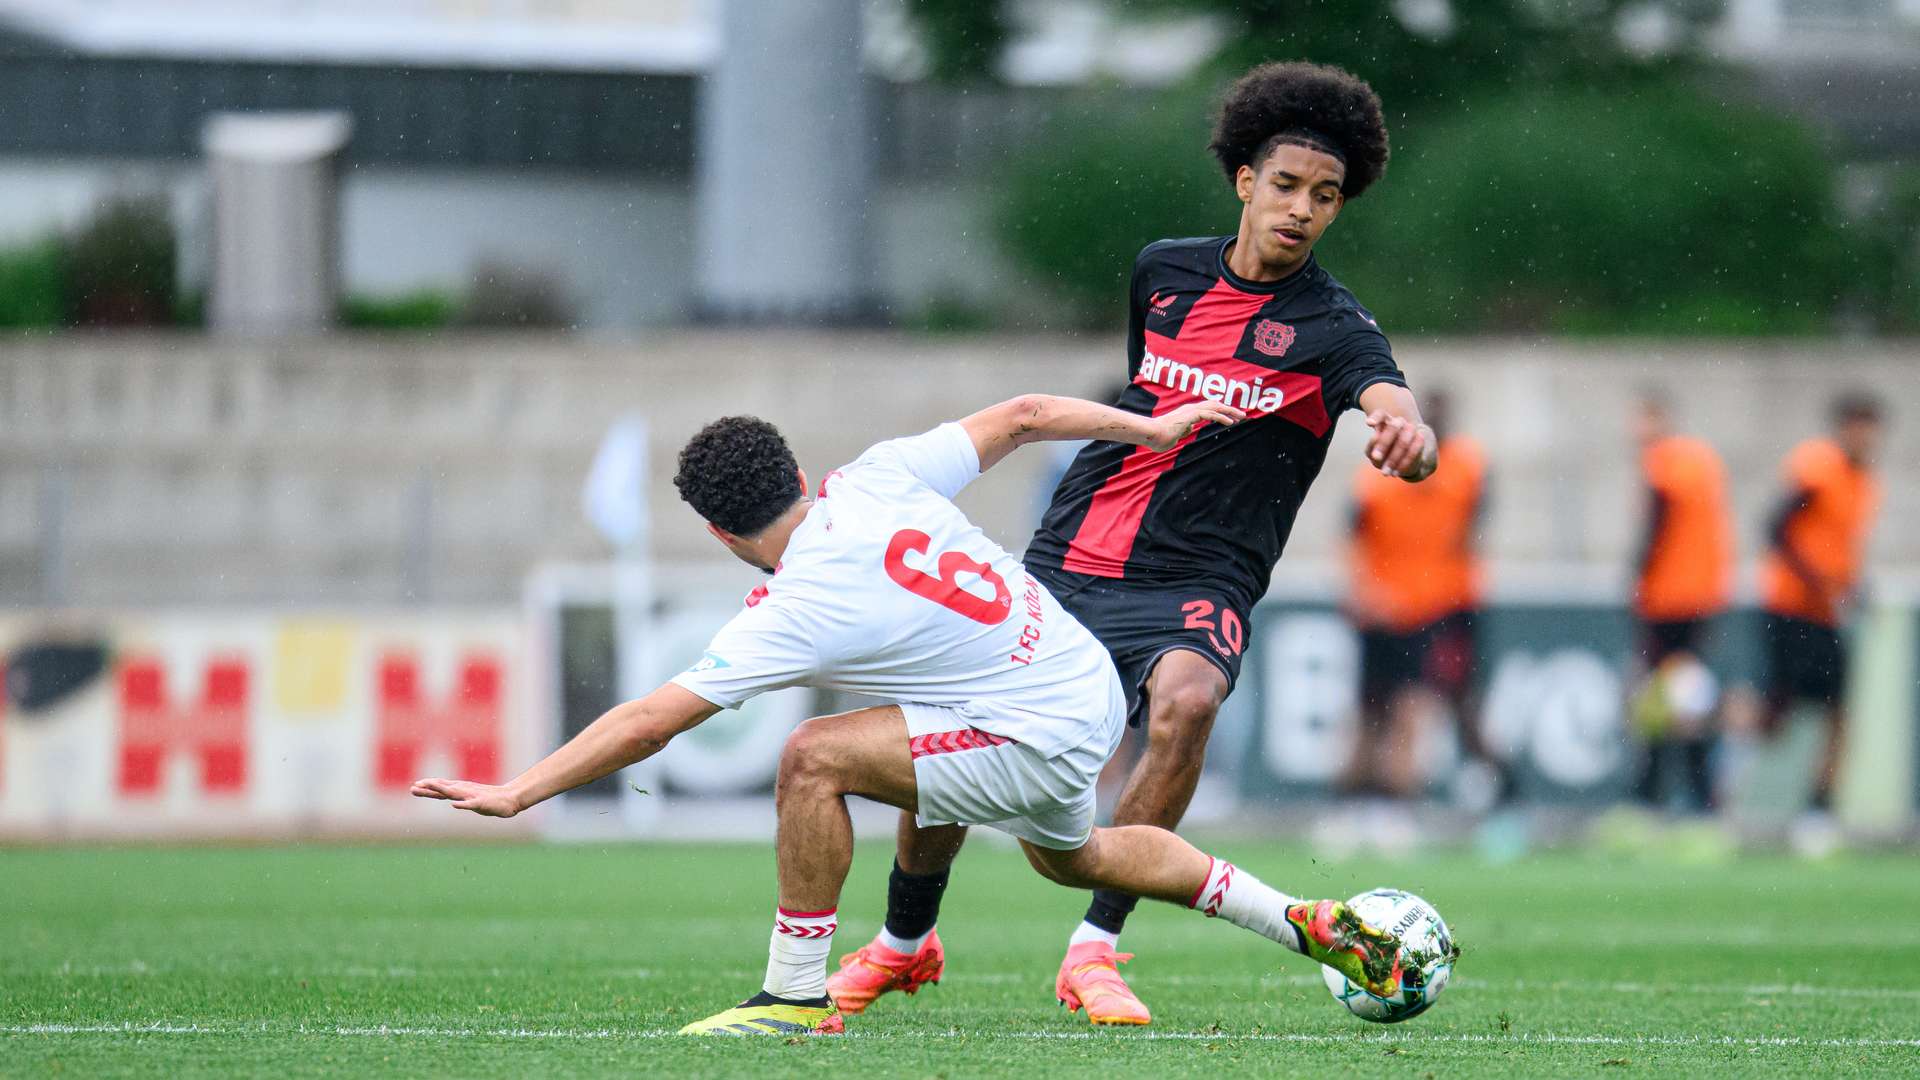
pixel 159 469
pixel 250 587
pixel 369 557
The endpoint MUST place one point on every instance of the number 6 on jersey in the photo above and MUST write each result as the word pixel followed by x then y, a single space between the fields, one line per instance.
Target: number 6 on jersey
pixel 945 590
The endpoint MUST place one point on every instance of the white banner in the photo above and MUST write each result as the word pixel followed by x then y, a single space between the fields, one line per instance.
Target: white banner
pixel 234 725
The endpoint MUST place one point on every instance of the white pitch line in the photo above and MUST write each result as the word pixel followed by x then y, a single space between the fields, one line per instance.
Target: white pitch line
pixel 1007 978
pixel 1358 1039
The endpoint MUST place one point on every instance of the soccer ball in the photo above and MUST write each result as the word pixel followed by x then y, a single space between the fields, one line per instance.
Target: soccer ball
pixel 1425 943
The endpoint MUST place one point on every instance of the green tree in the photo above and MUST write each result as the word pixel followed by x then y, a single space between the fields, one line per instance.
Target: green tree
pixel 1578 210
pixel 1421 54
pixel 963 38
pixel 119 265
pixel 1443 53
pixel 32 287
pixel 1109 179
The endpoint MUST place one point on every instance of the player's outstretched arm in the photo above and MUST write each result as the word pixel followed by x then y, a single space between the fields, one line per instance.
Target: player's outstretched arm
pixel 627 733
pixel 1791 506
pixel 1029 418
pixel 1401 445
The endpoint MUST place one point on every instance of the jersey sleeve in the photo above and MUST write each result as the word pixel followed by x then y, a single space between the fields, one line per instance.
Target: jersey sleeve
pixel 1362 359
pixel 1137 313
pixel 943 459
pixel 1808 467
pixel 763 648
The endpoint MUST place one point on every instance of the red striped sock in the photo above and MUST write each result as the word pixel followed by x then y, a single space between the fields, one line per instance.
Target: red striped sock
pixel 797 954
pixel 1232 894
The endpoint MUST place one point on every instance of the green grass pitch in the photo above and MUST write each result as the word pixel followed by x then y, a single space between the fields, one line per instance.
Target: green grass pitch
pixel 581 960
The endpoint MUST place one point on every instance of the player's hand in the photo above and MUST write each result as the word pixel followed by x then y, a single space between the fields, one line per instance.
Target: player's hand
pixel 1168 430
pixel 487 800
pixel 1400 448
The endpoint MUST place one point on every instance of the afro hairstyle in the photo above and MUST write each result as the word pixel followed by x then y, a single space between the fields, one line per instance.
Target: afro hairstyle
pixel 1313 105
pixel 739 474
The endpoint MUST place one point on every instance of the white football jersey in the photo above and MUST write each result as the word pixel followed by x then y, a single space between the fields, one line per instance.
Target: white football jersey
pixel 887 589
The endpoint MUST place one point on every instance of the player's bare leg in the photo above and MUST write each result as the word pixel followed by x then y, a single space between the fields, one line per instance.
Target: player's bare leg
pixel 1143 860
pixel 1830 757
pixel 1398 761
pixel 1361 775
pixel 826 759
pixel 1814 832
pixel 926 849
pixel 863 752
pixel 906 954
pixel 1184 694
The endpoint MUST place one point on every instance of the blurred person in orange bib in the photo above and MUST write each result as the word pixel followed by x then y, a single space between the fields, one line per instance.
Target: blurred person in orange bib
pixel 1811 575
pixel 1684 581
pixel 1417 584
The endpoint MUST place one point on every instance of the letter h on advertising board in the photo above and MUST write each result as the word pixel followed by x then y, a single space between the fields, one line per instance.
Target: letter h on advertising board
pixel 154 726
pixel 466 724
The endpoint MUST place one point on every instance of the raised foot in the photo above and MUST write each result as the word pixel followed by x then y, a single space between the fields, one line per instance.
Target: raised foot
pixel 1335 935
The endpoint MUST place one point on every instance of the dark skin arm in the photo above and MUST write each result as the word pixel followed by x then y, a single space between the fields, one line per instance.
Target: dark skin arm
pixel 1795 503
pixel 1657 510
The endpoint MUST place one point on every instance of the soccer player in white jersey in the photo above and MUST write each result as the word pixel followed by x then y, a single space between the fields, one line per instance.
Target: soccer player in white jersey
pixel 1006 706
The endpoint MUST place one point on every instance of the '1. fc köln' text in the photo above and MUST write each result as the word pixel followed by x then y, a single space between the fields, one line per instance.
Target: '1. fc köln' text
pixel 1030 633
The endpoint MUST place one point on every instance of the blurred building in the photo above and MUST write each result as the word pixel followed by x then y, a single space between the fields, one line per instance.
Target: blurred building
pixel 559 139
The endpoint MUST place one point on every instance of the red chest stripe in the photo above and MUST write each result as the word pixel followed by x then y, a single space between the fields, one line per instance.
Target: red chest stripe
pixel 1197 365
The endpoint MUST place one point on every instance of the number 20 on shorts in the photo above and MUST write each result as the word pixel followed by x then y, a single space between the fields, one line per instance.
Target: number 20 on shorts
pixel 1200 617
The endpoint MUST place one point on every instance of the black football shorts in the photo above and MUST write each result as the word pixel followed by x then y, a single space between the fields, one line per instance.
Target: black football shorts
pixel 1440 655
pixel 1139 623
pixel 1805 661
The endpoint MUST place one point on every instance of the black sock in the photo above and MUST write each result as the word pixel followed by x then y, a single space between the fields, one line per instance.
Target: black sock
pixel 1822 799
pixel 1110 909
pixel 913 902
pixel 1647 788
pixel 1699 773
pixel 764 998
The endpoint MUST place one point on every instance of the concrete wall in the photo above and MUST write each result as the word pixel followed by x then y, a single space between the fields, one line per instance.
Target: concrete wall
pixel 158 469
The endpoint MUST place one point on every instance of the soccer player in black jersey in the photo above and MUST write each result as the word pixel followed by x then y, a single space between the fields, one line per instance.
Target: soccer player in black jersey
pixel 1164 556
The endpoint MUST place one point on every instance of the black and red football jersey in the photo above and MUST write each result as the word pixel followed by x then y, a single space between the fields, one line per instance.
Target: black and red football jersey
pixel 1293 353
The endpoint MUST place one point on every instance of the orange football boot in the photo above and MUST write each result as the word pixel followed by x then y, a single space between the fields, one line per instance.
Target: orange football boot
pixel 873 969
pixel 1090 979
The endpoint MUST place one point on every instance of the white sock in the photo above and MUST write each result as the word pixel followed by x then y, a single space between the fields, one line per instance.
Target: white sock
pixel 909 946
pixel 1240 898
pixel 1086 932
pixel 797 956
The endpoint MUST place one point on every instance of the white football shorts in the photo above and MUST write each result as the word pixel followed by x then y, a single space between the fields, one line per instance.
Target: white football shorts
pixel 968 776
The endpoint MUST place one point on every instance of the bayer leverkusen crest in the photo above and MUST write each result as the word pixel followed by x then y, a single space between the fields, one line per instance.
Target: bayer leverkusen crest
pixel 1273 338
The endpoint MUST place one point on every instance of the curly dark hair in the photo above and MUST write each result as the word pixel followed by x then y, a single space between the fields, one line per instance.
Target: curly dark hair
pixel 1314 105
pixel 739 474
